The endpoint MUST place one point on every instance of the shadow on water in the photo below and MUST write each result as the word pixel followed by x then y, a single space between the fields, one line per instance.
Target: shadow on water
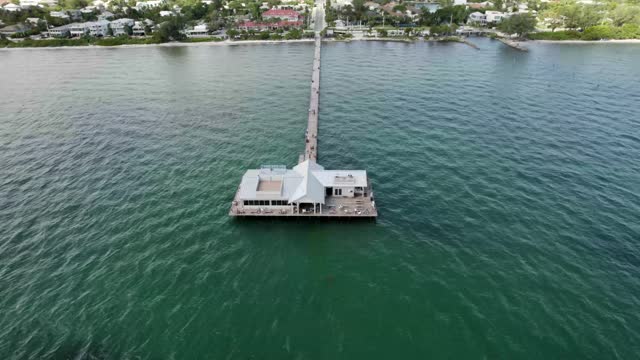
pixel 173 51
pixel 70 347
pixel 79 350
pixel 302 220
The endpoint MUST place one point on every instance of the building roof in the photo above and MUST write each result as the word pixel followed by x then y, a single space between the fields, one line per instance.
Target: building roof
pixel 338 178
pixel 253 24
pixel 122 22
pixel 249 187
pixel 310 190
pixel 61 28
pixel 16 28
pixel 280 12
pixel 305 183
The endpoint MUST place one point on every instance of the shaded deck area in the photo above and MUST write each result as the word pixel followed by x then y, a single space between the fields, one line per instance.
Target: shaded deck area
pixel 355 207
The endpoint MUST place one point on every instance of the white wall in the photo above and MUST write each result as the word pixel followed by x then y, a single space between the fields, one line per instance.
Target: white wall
pixel 347 191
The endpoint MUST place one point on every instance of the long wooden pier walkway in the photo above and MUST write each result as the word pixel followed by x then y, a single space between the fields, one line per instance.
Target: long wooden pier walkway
pixel 311 135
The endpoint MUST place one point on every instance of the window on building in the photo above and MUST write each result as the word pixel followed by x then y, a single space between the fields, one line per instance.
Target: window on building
pixel 338 192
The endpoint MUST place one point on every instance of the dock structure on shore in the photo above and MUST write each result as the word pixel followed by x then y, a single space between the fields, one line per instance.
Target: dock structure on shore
pixel 306 190
pixel 514 44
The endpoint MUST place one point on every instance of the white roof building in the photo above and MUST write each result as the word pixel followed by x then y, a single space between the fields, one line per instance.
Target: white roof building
pixel 372 5
pixel 495 16
pixel 139 26
pixel 118 26
pixel 198 31
pixel 336 4
pixel 307 182
pixel 477 17
pixel 487 17
pixel 59 14
pixel 28 3
pixel 60 31
pixel 93 28
pixel 11 7
pixel 148 4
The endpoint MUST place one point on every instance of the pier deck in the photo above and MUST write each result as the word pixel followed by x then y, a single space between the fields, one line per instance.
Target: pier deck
pixel 335 207
pixel 311 135
pixel 342 194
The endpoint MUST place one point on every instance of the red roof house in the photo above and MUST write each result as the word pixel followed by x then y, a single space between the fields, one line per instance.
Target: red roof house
pixel 289 15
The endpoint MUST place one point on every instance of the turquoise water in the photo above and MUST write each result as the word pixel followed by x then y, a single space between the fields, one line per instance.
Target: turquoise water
pixel 508 185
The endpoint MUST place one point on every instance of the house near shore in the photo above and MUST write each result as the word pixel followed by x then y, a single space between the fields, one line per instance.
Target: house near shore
pixel 306 189
pixel 14 29
pixel 76 15
pixel 198 31
pixel 11 7
pixel 32 3
pixel 60 31
pixel 477 18
pixel 59 15
pixel 489 17
pixel 119 26
pixel 141 5
pixel 98 28
pixel 24 4
pixel 496 16
pixel 105 15
pixel 265 26
pixel 139 26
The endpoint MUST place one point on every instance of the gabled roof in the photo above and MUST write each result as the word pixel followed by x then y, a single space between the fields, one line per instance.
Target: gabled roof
pixel 310 189
pixel 305 183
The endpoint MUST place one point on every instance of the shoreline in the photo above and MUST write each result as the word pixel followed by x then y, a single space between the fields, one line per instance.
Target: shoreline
pixel 168 44
pixel 613 41
pixel 272 42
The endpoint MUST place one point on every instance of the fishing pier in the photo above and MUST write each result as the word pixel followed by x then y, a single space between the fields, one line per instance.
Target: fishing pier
pixel 306 190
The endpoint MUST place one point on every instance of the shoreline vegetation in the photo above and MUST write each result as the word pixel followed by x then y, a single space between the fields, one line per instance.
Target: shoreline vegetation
pixel 177 22
pixel 593 33
pixel 567 37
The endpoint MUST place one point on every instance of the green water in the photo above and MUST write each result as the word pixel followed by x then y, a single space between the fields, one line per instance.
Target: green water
pixel 508 186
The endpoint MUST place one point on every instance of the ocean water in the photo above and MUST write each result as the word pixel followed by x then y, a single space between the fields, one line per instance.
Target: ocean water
pixel 508 186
